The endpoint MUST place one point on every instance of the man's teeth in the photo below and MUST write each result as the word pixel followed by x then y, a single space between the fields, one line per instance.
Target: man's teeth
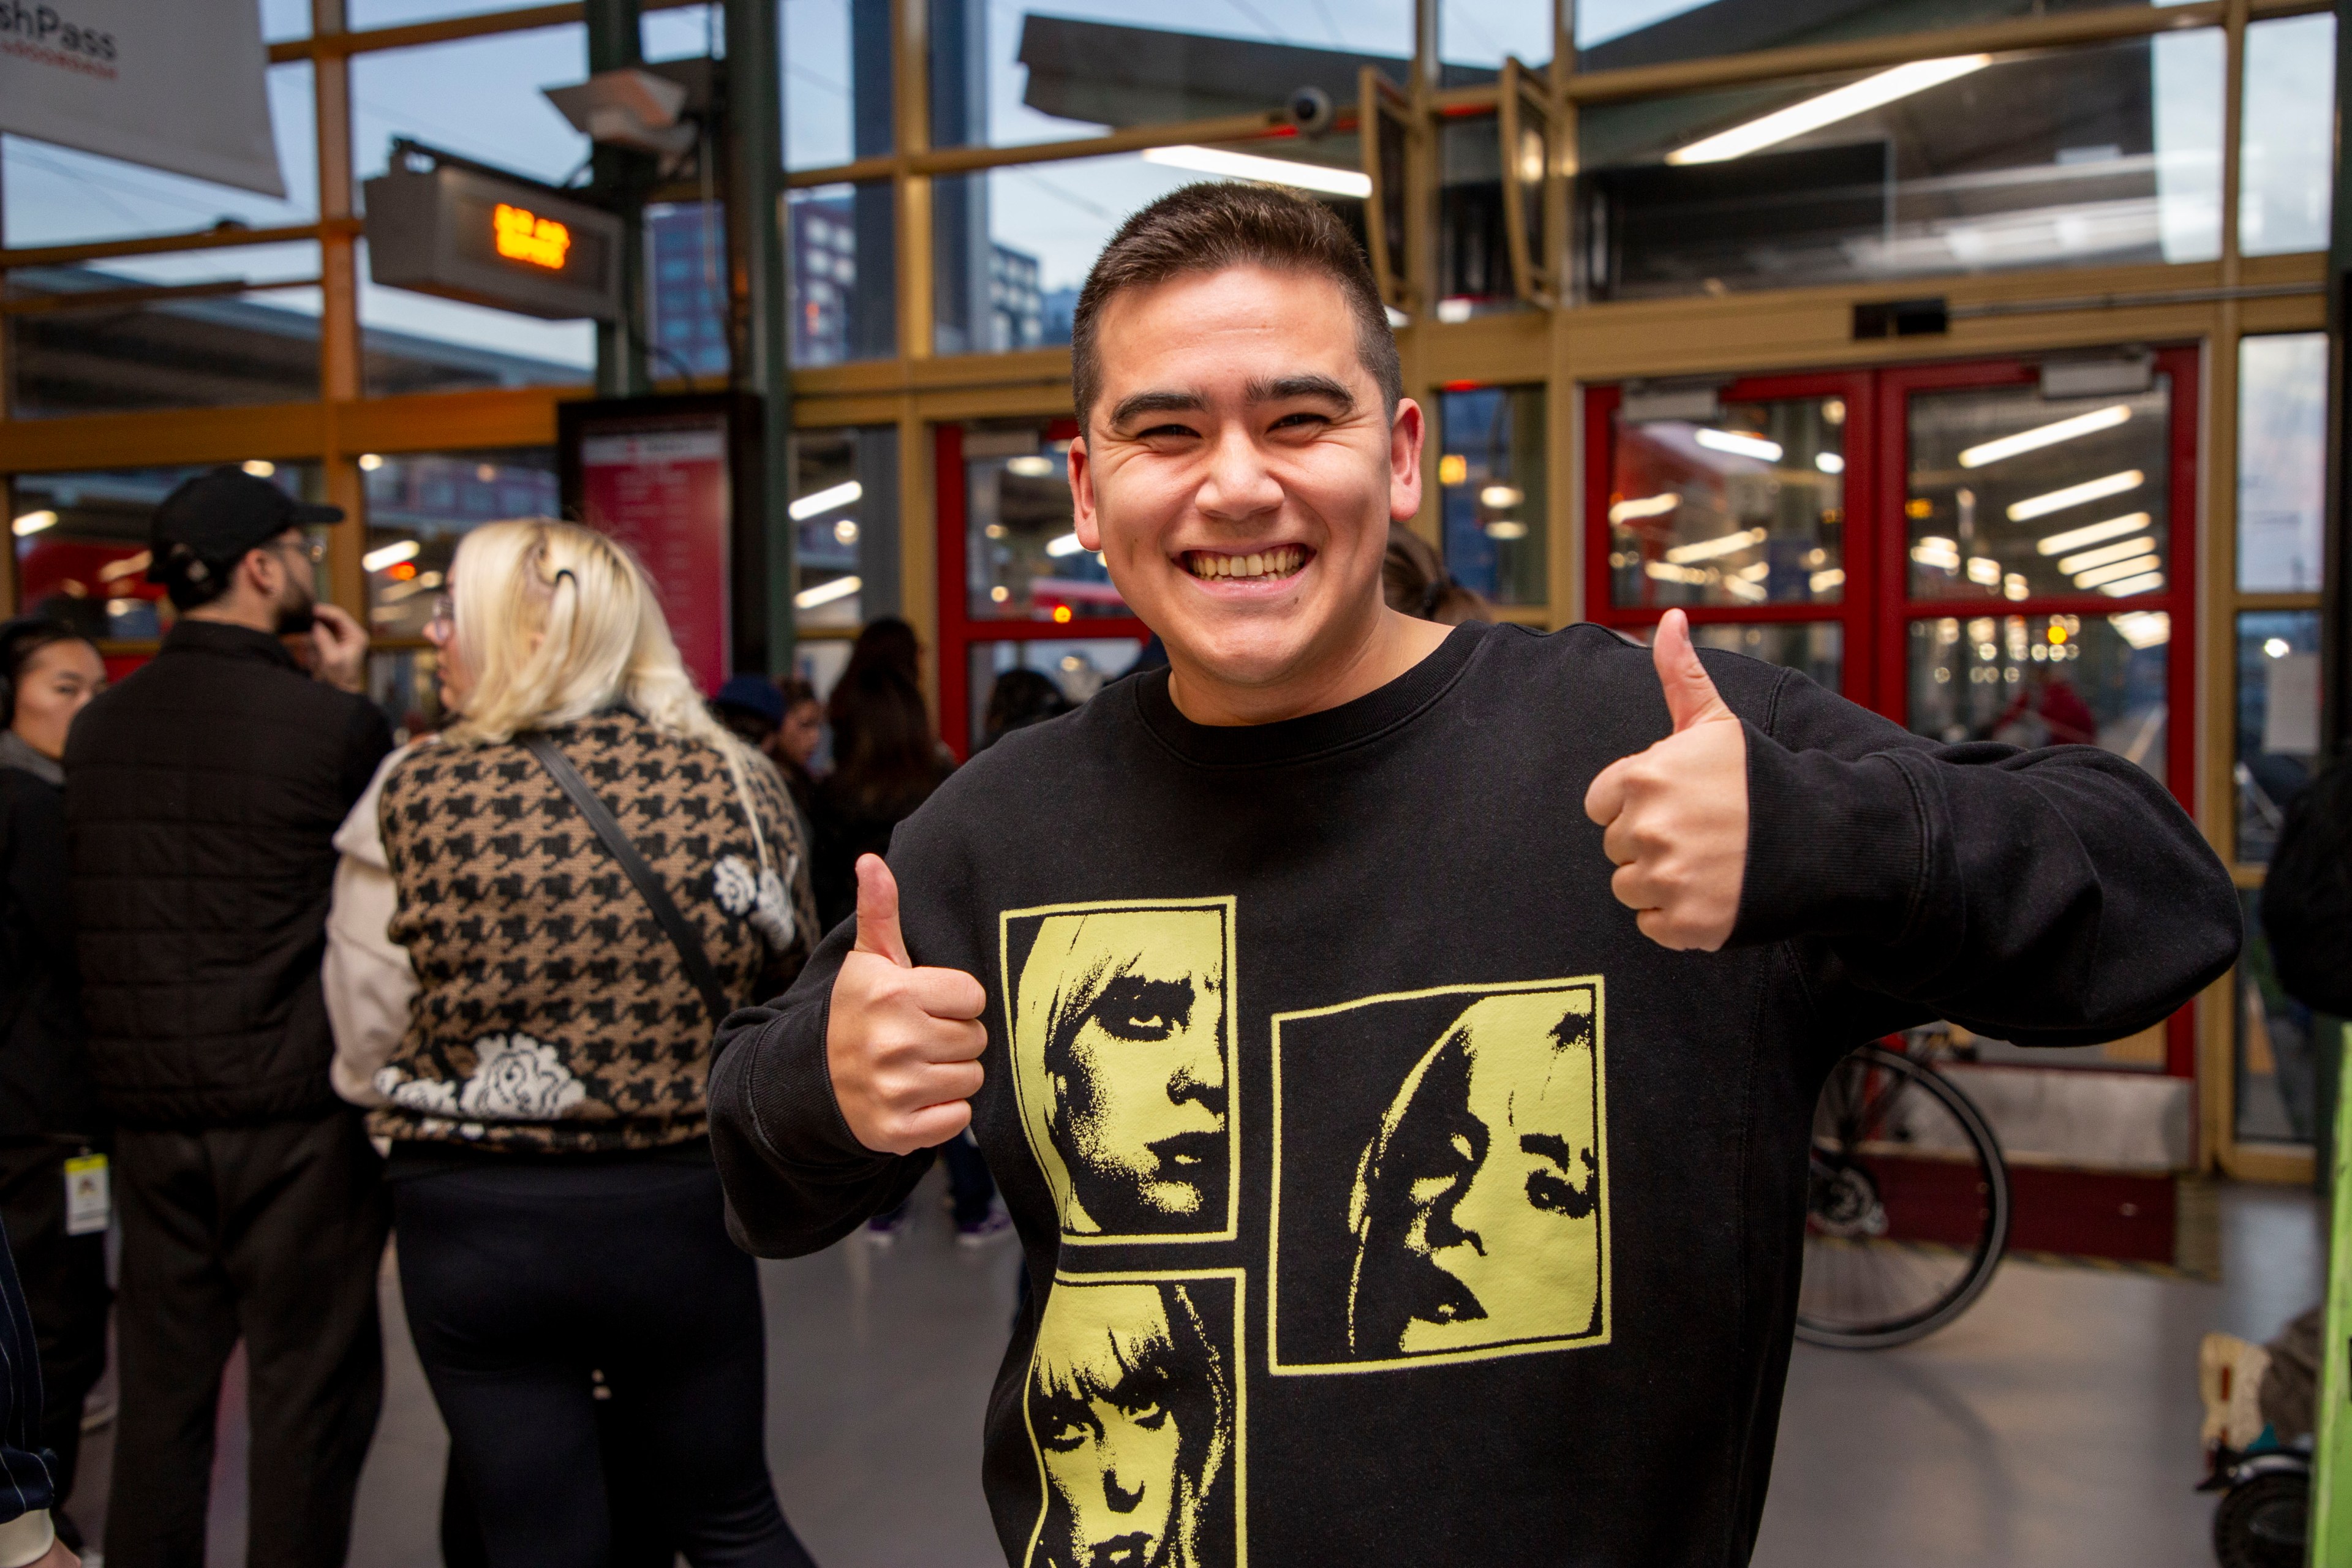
pixel 1279 562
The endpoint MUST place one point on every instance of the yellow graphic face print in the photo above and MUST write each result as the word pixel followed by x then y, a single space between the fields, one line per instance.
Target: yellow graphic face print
pixel 1474 1221
pixel 1134 1409
pixel 1121 1022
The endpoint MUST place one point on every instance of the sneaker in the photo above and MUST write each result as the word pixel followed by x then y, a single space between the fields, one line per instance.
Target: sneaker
pixel 994 1225
pixel 884 1229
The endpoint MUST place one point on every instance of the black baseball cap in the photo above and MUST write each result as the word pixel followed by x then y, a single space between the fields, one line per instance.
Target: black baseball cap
pixel 220 515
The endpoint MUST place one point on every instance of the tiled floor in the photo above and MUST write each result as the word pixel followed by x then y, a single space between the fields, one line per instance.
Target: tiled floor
pixel 2055 1425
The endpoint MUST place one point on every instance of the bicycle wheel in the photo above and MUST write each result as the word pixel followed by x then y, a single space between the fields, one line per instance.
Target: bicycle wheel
pixel 1907 1209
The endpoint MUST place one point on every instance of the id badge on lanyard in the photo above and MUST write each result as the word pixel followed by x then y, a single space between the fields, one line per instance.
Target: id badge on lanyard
pixel 89 1194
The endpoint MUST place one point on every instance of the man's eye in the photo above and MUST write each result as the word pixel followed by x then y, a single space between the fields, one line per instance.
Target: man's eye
pixel 1301 421
pixel 1151 1416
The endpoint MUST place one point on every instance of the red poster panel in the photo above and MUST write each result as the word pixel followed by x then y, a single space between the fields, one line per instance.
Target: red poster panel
pixel 664 492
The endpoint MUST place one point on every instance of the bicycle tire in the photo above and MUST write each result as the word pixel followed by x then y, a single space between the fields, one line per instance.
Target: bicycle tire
pixel 1987 1246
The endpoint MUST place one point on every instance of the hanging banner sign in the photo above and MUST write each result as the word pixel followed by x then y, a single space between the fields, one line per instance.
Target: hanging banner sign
pixel 179 87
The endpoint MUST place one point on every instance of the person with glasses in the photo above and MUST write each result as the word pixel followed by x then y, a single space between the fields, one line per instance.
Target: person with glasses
pixel 201 797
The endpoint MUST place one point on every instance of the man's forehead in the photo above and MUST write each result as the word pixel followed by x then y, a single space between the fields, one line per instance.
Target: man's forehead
pixel 1213 320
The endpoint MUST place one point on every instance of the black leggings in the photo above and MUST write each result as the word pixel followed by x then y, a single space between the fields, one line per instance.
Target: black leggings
pixel 535 1291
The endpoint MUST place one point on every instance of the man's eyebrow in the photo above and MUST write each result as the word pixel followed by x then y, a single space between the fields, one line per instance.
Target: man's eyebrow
pixel 1282 389
pixel 1143 402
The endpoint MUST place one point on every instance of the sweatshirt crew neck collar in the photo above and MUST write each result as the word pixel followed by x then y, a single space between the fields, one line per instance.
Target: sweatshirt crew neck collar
pixel 1294 740
pixel 188 636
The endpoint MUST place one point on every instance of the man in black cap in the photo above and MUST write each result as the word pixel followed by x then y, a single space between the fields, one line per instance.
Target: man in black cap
pixel 204 797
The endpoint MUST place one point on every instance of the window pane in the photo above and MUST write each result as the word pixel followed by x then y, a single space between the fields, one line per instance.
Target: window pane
pixel 843 262
pixel 686 290
pixel 1079 667
pixel 1001 74
pixel 1748 509
pixel 1816 647
pixel 836 82
pixel 421 343
pixel 2278 722
pixel 1473 37
pixel 1023 559
pixel 2092 156
pixel 1611 35
pixel 1473 257
pixel 232 348
pixel 393 13
pixel 685 33
pixel 2045 681
pixel 283 19
pixel 82 543
pixel 420 504
pixel 2285 153
pixel 2281 461
pixel 1492 477
pixel 2275 1090
pixel 2013 494
pixel 55 196
pixel 845 526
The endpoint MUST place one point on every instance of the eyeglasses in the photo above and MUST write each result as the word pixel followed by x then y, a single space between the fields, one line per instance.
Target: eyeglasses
pixel 442 623
pixel 309 550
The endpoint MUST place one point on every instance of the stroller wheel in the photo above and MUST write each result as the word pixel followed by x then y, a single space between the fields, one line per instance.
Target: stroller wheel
pixel 2263 1523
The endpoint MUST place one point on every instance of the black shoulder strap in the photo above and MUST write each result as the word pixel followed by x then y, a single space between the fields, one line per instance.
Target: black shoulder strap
pixel 608 829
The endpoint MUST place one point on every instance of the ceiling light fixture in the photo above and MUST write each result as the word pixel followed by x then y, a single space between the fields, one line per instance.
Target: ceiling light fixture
pixel 391 554
pixel 2075 495
pixel 2116 571
pixel 2147 583
pixel 32 522
pixel 1266 171
pixel 826 592
pixel 2041 436
pixel 1827 108
pixel 2123 550
pixel 1645 505
pixel 1708 549
pixel 2091 534
pixel 825 500
pixel 1737 444
pixel 1066 545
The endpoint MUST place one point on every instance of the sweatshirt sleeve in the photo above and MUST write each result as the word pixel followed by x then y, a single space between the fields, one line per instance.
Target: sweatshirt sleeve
pixel 2053 897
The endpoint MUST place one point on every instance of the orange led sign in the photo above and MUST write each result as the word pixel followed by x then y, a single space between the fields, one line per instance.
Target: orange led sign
pixel 523 235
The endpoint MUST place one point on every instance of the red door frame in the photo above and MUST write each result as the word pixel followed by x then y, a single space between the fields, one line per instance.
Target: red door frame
pixel 959 628
pixel 1876 609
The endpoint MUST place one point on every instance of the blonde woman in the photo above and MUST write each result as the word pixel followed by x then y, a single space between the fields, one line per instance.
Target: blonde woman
pixel 535 1051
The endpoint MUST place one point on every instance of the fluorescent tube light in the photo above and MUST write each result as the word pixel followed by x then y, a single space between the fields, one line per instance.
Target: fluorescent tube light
pixel 1828 109
pixel 2143 628
pixel 1266 171
pixel 391 554
pixel 825 500
pixel 1829 462
pixel 1500 496
pixel 2116 571
pixel 1708 549
pixel 2075 495
pixel 32 522
pixel 2147 583
pixel 1831 577
pixel 2121 551
pixel 1066 545
pixel 2041 436
pixel 2092 532
pixel 1646 506
pixel 1732 441
pixel 1934 549
pixel 826 592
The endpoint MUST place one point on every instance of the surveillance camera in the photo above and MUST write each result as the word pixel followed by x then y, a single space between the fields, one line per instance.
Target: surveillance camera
pixel 1309 109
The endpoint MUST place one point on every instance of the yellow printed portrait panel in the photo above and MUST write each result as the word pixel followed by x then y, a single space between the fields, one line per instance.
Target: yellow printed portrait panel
pixel 1456 1204
pixel 1120 1017
pixel 1134 1405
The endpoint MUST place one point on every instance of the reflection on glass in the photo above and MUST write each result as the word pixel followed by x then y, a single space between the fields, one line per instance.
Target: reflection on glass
pixel 2281 461
pixel 1815 647
pixel 2276 1083
pixel 2286 147
pixel 1491 475
pixel 81 542
pixel 1613 34
pixel 1474 258
pixel 2045 681
pixel 1011 247
pixel 212 351
pixel 55 196
pixel 1746 509
pixel 419 504
pixel 845 512
pixel 2014 495
pixel 844 270
pixel 406 683
pixel 686 290
pixel 2278 722
pixel 2099 157
pixel 1024 561
pixel 1004 73
pixel 1080 667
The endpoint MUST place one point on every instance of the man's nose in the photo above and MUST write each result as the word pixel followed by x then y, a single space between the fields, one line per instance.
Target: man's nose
pixel 1239 484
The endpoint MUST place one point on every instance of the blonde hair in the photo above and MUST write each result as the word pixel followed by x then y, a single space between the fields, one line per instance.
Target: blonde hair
pixel 556 622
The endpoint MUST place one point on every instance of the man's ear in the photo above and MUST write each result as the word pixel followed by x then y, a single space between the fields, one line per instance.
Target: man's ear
pixel 1405 435
pixel 261 573
pixel 1082 496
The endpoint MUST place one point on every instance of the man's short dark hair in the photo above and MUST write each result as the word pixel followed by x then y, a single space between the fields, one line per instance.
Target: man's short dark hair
pixel 1209 227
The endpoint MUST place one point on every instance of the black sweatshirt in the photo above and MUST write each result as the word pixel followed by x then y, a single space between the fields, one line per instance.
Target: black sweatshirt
pixel 1387 1196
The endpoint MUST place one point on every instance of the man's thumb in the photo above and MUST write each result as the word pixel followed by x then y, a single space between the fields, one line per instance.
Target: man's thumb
pixel 877 911
pixel 1691 696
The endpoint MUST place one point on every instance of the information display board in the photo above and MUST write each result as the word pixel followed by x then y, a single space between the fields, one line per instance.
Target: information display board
pixel 466 234
pixel 676 479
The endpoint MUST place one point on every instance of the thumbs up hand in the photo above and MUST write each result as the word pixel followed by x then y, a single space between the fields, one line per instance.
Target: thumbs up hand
pixel 1676 815
pixel 903 1044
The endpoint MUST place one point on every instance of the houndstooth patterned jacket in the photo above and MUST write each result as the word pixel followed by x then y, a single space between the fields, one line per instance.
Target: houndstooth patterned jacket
pixel 552 1013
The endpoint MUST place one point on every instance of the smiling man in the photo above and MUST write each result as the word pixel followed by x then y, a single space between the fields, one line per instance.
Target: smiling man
pixel 1446 1007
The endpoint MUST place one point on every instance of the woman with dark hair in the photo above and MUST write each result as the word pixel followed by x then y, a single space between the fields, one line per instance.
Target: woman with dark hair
pixel 796 740
pixel 1413 579
pixel 51 1127
pixel 1019 698
pixel 884 643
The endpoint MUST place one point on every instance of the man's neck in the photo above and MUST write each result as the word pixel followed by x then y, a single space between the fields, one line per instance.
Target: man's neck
pixel 1392 645
pixel 228 611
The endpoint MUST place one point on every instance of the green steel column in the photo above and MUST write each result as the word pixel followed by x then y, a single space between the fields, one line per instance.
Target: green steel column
pixel 621 176
pixel 2336 571
pixel 755 252
pixel 2331 1473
